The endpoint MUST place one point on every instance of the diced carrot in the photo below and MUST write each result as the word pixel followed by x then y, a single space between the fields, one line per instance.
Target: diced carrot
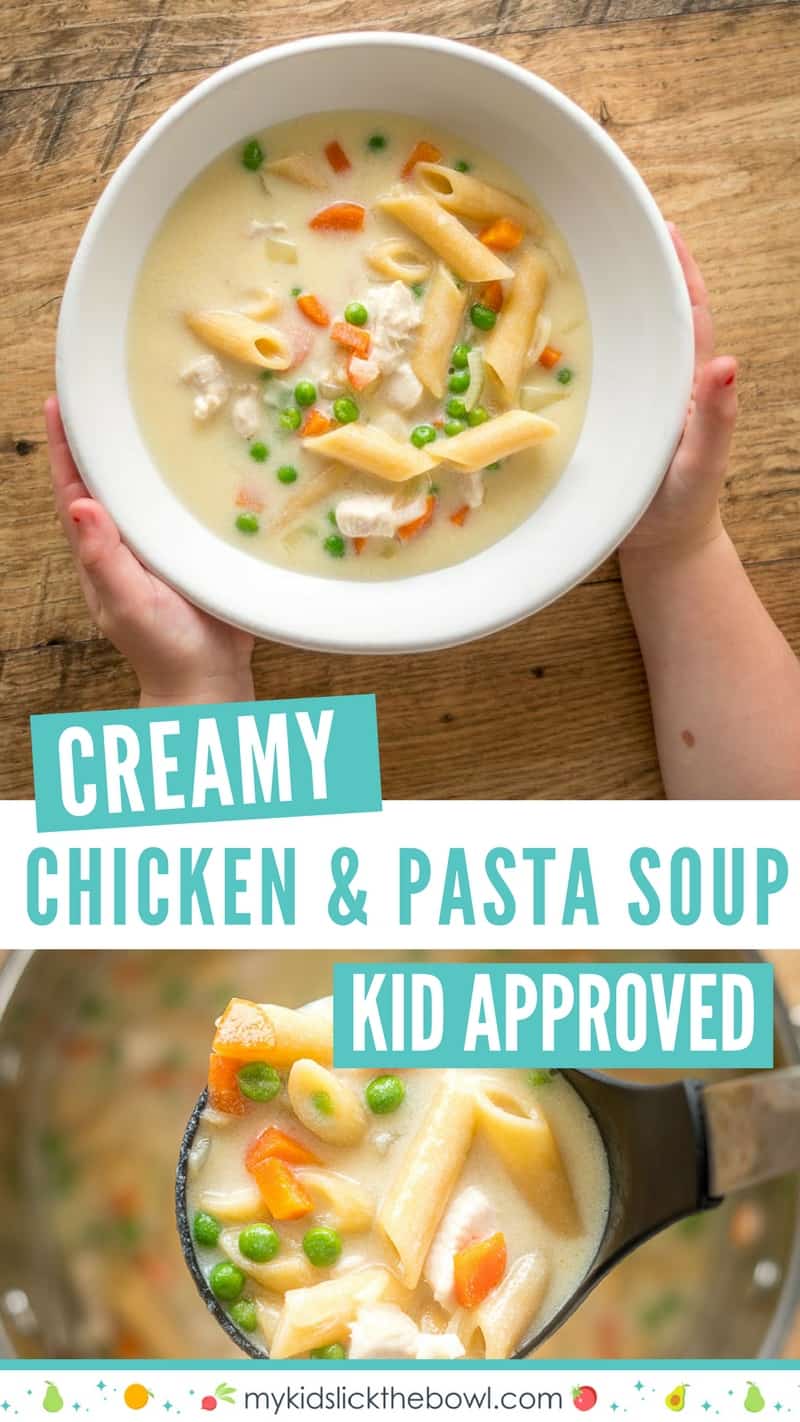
pixel 359 544
pixel 492 296
pixel 549 357
pixel 223 1088
pixel 353 338
pixel 410 530
pixel 339 217
pixel 247 500
pixel 276 1143
pixel 460 515
pixel 502 235
pixel 360 372
pixel 313 309
pixel 478 1269
pixel 315 423
pixel 422 152
pixel 281 1191
pixel 337 157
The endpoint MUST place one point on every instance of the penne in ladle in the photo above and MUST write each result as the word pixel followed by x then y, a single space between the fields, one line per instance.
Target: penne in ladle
pixel 672 1151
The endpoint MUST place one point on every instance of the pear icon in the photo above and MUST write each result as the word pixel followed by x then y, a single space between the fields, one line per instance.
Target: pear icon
pixel 53 1401
pixel 754 1401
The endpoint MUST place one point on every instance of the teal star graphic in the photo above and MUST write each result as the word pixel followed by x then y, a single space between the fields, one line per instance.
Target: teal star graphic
pixel 101 1386
pixel 76 1407
pixel 6 1406
pixel 614 1406
pixel 706 1406
pixel 778 1406
pixel 167 1406
pixel 639 1386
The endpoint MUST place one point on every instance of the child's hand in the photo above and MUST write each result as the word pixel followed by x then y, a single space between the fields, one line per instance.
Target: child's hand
pixel 685 511
pixel 179 654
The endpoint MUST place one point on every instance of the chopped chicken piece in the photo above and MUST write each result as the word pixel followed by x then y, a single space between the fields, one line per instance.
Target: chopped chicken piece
pixel 383 1331
pixel 394 314
pixel 470 1216
pixel 382 1140
pixel 257 228
pixel 362 372
pixel 246 412
pixel 207 377
pixel 376 515
pixel 403 389
pixel 474 488
pixel 439 1345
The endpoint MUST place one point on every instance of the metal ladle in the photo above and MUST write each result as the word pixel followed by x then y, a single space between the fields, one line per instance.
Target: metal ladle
pixel 672 1151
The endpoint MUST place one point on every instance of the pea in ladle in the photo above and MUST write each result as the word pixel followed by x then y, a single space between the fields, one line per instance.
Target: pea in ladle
pixel 672 1151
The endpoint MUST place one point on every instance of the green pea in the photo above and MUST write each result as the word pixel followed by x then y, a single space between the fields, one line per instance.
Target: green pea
pixel 296 291
pixel 259 1242
pixel 458 382
pixel 384 1094
pixel 418 288
pixel 205 1229
pixel 227 1281
pixel 290 418
pixel 540 1076
pixel 245 1315
pixel 456 408
pixel 305 392
pixel 477 416
pixel 460 356
pixel 482 316
pixel 321 1102
pixel 247 523
pixel 252 155
pixel 345 410
pixel 258 1081
pixel 462 166
pixel 564 375
pixel 334 544
pixel 422 434
pixel 454 427
pixel 322 1246
pixel 259 451
pixel 376 142
pixel 331 1353
pixel 356 313
pixel 287 474
pixel 331 516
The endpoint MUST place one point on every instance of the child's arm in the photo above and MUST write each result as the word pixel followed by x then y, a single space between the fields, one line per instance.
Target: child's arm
pixel 724 684
pixel 180 655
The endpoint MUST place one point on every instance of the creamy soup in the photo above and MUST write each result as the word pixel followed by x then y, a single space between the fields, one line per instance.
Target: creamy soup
pixel 418 1214
pixel 359 348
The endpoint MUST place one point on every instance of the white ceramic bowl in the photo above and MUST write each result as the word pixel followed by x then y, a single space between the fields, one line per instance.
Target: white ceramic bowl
pixel 638 305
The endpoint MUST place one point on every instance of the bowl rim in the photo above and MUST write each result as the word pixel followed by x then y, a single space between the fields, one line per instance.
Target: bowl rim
pixel 291 621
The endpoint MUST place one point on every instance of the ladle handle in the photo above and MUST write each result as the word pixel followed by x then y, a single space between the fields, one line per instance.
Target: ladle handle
pixel 753 1129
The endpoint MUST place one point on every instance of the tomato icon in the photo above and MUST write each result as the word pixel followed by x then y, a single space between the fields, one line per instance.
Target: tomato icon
pixel 584 1398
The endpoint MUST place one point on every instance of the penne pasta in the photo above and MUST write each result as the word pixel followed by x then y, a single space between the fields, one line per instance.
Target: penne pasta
pixel 417 1197
pixel 232 1206
pixel 268 1312
pixel 299 168
pixel 316 1316
pixel 263 1032
pixel 338 1201
pixel 495 439
pixel 506 349
pixel 372 450
pixel 288 1270
pixel 442 315
pixel 328 481
pixel 448 237
pixel 400 259
pixel 325 1105
pixel 239 336
pixel 265 306
pixel 521 1136
pixel 504 1318
pixel 470 197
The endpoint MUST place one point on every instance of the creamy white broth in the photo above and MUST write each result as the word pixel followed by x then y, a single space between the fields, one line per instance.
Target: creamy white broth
pixel 204 258
pixel 219 1174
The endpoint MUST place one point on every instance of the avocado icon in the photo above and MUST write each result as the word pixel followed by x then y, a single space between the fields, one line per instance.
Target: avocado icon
pixel 676 1400
pixel 754 1401
pixel 53 1401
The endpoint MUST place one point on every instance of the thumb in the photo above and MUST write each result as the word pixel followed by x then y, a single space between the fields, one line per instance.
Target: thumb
pixel 117 580
pixel 709 430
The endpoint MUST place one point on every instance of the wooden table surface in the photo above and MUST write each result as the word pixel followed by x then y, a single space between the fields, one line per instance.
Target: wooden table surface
pixel 704 97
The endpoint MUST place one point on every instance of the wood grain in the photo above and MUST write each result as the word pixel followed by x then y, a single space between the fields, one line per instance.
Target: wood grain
pixel 702 96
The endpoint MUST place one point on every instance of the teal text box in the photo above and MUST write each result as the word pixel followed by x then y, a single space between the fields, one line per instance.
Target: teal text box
pixel 186 764
pixel 438 1001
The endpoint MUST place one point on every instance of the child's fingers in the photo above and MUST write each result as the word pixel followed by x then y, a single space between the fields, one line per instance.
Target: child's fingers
pixel 67 483
pixel 707 440
pixel 119 582
pixel 698 295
